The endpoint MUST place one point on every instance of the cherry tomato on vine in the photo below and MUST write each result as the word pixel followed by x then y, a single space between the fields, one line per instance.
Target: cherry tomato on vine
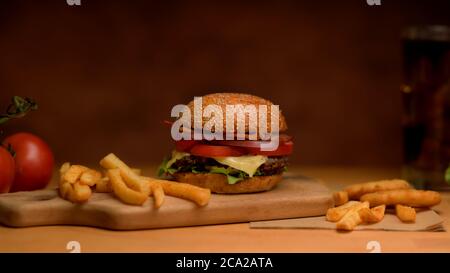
pixel 6 170
pixel 34 162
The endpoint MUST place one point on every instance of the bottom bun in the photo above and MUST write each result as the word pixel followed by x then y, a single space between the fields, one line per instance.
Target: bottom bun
pixel 218 182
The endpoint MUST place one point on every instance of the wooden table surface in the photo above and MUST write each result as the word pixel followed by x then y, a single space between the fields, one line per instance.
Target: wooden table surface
pixel 237 237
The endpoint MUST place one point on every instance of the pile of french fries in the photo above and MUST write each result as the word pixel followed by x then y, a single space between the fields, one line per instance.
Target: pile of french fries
pixel 77 183
pixel 366 203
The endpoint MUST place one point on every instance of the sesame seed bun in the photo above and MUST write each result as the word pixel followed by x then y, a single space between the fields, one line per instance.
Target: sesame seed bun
pixel 223 99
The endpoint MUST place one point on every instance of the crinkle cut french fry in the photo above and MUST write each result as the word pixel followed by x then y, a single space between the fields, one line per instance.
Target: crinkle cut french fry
pixel 121 190
pixel 81 193
pixel 75 192
pixel 65 190
pixel 373 215
pixel 64 168
pixel 335 214
pixel 69 186
pixel 90 177
pixel 351 219
pixel 73 173
pixel 405 213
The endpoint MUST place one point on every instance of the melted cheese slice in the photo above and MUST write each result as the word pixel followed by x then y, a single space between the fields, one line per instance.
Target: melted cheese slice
pixel 247 163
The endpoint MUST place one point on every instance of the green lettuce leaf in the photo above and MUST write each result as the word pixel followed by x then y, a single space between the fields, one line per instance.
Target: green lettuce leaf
pixel 163 169
pixel 233 176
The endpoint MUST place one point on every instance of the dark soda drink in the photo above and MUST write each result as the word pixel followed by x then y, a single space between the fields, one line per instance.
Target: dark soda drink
pixel 426 106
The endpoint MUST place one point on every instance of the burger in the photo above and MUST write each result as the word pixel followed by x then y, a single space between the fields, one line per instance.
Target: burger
pixel 231 166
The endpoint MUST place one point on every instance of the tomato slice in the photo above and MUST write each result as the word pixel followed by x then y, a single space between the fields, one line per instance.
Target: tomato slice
pixel 251 143
pixel 240 143
pixel 185 145
pixel 222 148
pixel 284 148
pixel 206 150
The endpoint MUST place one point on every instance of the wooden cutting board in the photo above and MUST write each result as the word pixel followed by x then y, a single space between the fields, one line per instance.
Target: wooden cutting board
pixel 294 197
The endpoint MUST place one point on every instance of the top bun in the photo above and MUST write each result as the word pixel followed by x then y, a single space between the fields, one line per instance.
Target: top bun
pixel 223 99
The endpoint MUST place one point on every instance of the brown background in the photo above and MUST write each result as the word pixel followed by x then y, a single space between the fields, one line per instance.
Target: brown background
pixel 107 73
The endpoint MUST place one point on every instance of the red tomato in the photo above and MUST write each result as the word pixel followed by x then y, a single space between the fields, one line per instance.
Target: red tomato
pixel 284 148
pixel 216 151
pixel 34 162
pixel 251 143
pixel 240 143
pixel 6 170
pixel 185 145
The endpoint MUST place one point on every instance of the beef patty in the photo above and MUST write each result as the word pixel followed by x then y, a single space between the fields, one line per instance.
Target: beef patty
pixel 274 165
